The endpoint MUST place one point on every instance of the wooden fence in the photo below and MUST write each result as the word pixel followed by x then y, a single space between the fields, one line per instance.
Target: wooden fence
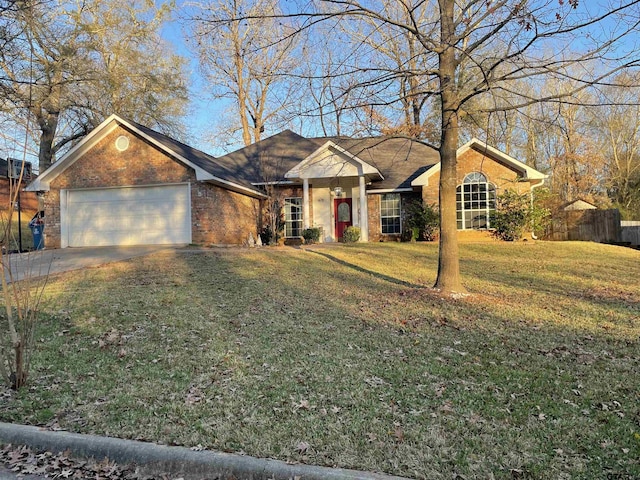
pixel 630 232
pixel 589 225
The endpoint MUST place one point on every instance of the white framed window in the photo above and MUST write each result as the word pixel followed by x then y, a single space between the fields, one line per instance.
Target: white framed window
pixel 475 200
pixel 293 217
pixel 390 213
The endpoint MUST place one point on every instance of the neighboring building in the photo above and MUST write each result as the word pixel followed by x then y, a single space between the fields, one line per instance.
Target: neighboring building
pixel 127 184
pixel 578 204
pixel 10 175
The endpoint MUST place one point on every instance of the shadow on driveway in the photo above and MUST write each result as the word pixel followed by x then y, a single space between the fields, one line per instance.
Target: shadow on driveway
pixel 44 262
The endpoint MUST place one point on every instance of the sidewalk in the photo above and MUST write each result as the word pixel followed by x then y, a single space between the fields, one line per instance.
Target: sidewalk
pixel 174 461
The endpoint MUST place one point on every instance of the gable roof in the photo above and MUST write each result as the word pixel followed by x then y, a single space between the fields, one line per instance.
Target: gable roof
pixel 268 160
pixel 322 162
pixel 397 160
pixel 204 165
pixel 528 173
pixel 578 204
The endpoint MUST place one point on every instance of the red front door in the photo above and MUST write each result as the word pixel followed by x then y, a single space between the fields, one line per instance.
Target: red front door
pixel 342 210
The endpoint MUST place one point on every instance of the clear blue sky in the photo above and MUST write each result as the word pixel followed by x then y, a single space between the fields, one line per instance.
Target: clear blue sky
pixel 203 111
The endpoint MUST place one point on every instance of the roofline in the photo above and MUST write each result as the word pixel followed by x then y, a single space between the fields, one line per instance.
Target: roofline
pixel 529 172
pixel 294 172
pixel 423 179
pixel 238 188
pixel 392 190
pixel 277 182
pixel 106 127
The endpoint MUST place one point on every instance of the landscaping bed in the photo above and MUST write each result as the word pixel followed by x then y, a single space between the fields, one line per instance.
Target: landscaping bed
pixel 344 356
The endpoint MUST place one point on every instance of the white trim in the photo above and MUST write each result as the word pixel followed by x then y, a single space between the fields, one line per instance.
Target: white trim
pixel 530 173
pixel 113 187
pixel 391 190
pixel 305 203
pixel 109 125
pixel 487 209
pixel 363 210
pixel 363 167
pixel 279 182
pixel 64 213
pixel 284 207
pixel 423 180
pixel 482 148
pixel 400 214
pixel 235 187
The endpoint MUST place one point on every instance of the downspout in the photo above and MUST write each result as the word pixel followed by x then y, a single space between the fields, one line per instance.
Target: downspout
pixel 533 235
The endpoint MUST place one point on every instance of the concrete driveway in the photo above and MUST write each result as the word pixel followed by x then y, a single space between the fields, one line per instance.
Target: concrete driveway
pixel 43 262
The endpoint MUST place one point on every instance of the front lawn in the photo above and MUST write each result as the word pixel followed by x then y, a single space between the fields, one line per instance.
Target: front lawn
pixel 343 356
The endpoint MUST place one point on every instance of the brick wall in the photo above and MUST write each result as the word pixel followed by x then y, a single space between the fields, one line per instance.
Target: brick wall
pixel 375 225
pixel 502 176
pixel 28 200
pixel 219 216
pixel 293 191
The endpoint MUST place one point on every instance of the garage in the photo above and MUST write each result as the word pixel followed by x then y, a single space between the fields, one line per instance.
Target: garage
pixel 140 215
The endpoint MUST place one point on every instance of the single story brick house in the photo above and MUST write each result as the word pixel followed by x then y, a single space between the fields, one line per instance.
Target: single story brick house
pixel 126 184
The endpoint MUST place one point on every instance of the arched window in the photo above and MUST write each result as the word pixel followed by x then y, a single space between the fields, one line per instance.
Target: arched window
pixel 475 199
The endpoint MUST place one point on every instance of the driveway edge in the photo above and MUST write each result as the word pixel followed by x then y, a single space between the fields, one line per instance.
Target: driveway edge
pixel 191 465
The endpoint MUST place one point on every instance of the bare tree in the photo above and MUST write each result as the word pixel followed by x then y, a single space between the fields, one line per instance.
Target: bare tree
pixel 616 126
pixel 63 65
pixel 22 279
pixel 248 61
pixel 475 48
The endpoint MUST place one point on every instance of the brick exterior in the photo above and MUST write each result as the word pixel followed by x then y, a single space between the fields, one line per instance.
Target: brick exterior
pixel 218 215
pixel 499 174
pixel 375 226
pixel 502 176
pixel 28 200
pixel 294 191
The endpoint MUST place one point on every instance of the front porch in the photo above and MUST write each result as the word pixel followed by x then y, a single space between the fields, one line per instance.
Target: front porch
pixel 334 192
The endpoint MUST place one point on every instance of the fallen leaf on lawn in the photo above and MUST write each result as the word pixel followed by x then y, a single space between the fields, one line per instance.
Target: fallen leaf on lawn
pixel 447 407
pixel 302 405
pixel 302 447
pixel 193 396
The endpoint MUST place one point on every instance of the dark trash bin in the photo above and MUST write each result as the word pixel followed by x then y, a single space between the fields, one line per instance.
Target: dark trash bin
pixel 37 230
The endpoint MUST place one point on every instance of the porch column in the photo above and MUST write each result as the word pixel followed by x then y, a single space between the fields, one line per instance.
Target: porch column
pixel 305 202
pixel 364 211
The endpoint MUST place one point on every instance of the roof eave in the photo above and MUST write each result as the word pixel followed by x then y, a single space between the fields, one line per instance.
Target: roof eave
pixel 295 172
pixel 97 134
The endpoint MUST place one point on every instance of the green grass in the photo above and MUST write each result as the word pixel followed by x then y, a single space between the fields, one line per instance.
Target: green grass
pixel 27 237
pixel 345 357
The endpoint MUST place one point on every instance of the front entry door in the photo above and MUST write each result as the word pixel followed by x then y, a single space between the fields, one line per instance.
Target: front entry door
pixel 342 209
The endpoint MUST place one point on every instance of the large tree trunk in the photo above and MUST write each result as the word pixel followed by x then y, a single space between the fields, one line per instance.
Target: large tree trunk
pixel 448 280
pixel 48 125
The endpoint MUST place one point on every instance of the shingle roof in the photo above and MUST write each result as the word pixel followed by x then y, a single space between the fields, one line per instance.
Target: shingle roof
pixel 399 160
pixel 203 160
pixel 269 159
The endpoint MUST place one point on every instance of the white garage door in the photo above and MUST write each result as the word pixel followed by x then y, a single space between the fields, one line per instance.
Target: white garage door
pixel 127 216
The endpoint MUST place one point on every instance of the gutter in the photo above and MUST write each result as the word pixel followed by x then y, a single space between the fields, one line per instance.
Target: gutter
pixel 533 235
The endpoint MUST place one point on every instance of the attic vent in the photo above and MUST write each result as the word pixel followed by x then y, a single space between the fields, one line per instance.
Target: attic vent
pixel 122 143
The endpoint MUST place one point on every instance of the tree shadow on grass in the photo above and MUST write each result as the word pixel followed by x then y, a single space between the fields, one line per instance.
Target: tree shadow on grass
pixel 357 268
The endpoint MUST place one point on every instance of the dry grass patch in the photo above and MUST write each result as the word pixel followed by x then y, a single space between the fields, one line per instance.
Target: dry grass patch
pixel 344 356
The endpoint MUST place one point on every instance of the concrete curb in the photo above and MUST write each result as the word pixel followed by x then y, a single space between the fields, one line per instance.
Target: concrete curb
pixel 176 461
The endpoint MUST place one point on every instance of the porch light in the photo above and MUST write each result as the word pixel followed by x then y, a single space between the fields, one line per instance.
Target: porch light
pixel 337 191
